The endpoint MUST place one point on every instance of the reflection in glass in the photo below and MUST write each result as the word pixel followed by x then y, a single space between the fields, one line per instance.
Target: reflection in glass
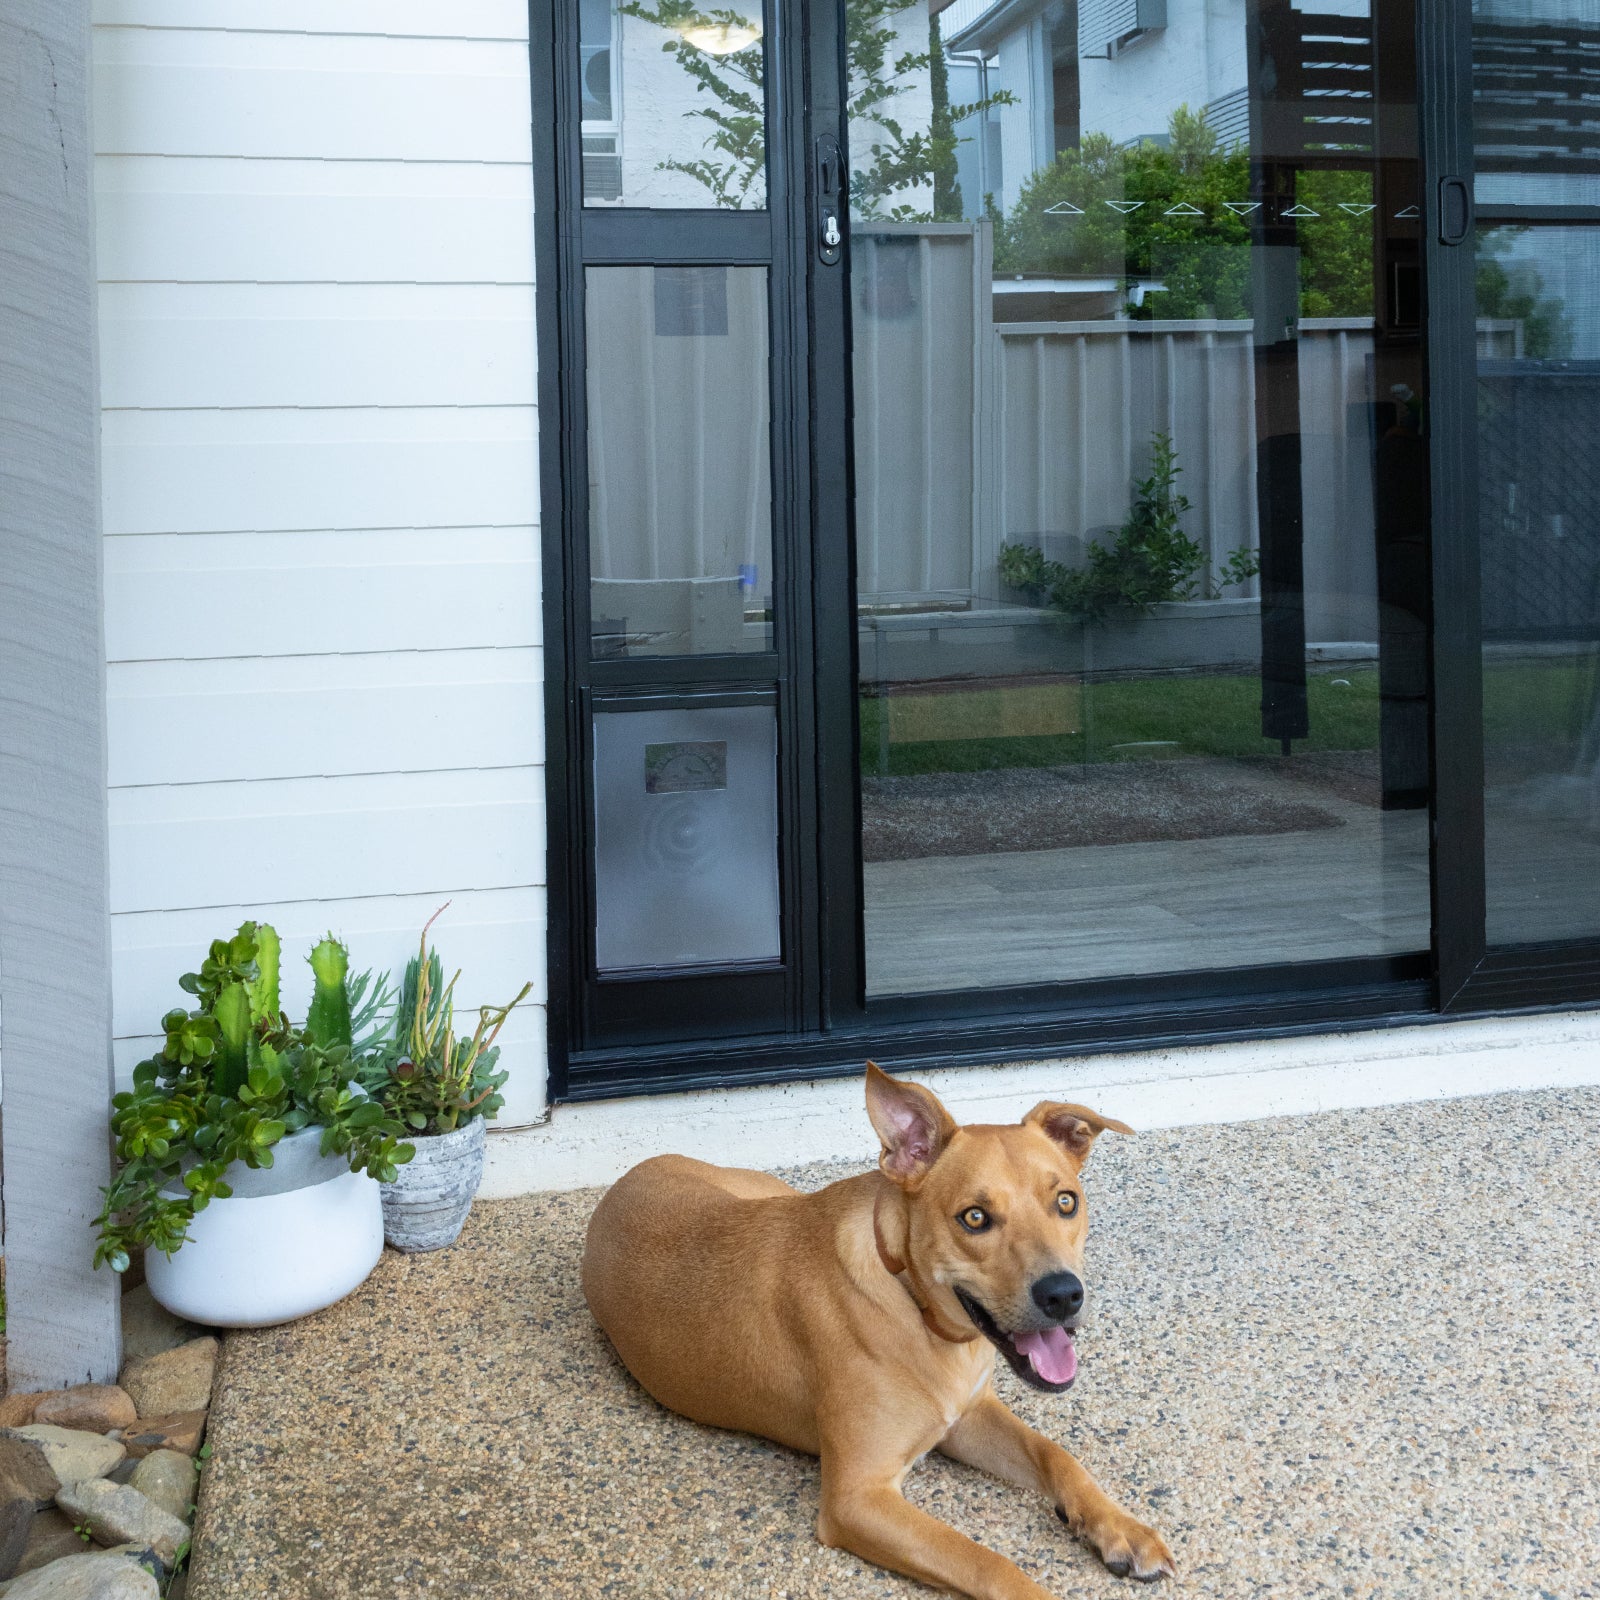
pixel 1536 140
pixel 1539 522
pixel 1140 488
pixel 674 105
pixel 680 495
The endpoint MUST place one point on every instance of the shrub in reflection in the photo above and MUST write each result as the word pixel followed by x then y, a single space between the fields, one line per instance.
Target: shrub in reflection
pixel 1150 560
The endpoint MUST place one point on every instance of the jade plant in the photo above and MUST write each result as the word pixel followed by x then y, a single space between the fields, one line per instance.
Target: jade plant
pixel 232 1078
pixel 426 1076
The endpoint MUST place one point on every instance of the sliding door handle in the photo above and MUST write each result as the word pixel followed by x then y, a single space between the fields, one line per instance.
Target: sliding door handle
pixel 828 179
pixel 1455 211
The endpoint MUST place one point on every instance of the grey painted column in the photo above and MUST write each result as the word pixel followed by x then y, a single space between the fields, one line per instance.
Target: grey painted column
pixel 55 977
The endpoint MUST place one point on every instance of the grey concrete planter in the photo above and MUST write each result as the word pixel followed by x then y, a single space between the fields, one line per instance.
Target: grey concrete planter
pixel 427 1205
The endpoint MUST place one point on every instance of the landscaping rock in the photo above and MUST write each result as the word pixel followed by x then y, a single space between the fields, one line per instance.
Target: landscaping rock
pixel 64 1453
pixel 168 1478
pixel 173 1380
pixel 91 1576
pixel 144 1556
pixel 148 1328
pixel 94 1407
pixel 181 1431
pixel 25 1472
pixel 50 1538
pixel 16 1522
pixel 16 1410
pixel 116 1513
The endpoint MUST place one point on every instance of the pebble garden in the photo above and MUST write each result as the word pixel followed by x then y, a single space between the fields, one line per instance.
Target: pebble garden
pixel 98 1482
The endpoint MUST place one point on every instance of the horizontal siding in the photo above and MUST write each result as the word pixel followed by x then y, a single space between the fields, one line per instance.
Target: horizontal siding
pixel 201 596
pixel 323 716
pixel 435 19
pixel 321 508
pixel 484 933
pixel 165 346
pixel 165 219
pixel 325 838
pixel 320 97
pixel 228 471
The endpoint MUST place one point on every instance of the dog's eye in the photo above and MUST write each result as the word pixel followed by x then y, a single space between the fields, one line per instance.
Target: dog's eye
pixel 974 1219
pixel 1067 1203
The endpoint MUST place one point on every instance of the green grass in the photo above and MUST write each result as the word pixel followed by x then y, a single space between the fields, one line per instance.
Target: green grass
pixel 1210 716
pixel 1542 702
pixel 1221 716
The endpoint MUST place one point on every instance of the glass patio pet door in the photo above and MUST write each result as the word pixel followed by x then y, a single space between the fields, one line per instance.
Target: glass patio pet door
pixel 679 526
pixel 1140 489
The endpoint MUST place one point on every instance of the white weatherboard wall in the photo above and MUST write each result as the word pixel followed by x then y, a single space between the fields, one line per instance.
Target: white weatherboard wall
pixel 320 497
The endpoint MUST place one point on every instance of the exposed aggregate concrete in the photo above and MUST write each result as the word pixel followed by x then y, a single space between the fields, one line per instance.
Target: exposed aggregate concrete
pixel 1347 1355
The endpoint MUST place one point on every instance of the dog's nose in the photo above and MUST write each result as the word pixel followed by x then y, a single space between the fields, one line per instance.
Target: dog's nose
pixel 1059 1295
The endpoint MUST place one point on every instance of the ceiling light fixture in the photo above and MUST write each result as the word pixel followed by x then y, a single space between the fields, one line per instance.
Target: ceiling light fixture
pixel 721 38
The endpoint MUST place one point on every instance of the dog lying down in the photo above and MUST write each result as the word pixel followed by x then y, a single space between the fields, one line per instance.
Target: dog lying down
pixel 860 1323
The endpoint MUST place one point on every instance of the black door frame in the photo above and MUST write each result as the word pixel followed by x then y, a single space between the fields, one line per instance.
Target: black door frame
pixel 827 1025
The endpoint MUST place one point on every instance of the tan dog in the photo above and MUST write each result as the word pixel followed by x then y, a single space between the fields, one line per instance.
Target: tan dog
pixel 860 1323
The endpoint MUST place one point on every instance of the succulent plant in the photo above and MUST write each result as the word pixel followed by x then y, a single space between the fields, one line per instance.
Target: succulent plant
pixel 232 1078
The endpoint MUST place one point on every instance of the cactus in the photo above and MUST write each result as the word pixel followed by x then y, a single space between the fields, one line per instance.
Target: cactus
pixel 263 990
pixel 232 1012
pixel 328 1020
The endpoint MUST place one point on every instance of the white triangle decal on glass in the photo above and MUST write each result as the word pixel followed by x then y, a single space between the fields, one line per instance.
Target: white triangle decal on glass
pixel 1063 208
pixel 1301 211
pixel 1408 213
pixel 1242 208
pixel 1125 206
pixel 1355 210
pixel 1183 209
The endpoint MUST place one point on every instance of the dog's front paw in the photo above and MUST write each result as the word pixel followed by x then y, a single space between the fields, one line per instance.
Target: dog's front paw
pixel 1132 1550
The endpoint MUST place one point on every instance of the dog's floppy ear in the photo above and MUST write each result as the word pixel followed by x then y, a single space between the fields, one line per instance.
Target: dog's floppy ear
pixel 913 1127
pixel 1074 1128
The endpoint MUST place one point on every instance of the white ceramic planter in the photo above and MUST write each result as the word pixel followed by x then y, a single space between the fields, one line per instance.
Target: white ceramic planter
pixel 427 1206
pixel 295 1237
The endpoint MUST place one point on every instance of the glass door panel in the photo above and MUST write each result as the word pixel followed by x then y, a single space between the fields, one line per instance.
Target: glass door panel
pixel 1538 419
pixel 673 104
pixel 1140 488
pixel 680 487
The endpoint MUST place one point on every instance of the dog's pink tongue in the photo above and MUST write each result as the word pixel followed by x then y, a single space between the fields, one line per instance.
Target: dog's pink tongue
pixel 1051 1354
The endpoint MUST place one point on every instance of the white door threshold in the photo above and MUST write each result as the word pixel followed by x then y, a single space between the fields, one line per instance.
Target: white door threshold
pixel 788 1124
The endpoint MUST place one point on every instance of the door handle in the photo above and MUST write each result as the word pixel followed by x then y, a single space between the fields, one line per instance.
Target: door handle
pixel 829 189
pixel 1455 211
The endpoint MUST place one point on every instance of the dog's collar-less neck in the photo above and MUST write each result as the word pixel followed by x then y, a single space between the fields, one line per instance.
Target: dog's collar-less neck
pixel 901 1271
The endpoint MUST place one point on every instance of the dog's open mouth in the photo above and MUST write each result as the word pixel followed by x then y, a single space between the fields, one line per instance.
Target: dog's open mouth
pixel 1047 1358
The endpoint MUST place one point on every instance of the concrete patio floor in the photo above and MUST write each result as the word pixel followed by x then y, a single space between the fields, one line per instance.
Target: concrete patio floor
pixel 1352 1354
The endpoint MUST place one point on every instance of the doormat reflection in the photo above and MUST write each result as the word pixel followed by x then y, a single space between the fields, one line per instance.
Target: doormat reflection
pixel 1055 808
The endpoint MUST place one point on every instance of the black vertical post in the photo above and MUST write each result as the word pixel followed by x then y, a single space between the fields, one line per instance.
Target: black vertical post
pixel 1399 446
pixel 1444 71
pixel 1274 35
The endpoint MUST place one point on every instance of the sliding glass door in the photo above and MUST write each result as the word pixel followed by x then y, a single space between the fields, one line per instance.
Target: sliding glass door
pixel 1140 488
pixel 1065 527
pixel 1537 288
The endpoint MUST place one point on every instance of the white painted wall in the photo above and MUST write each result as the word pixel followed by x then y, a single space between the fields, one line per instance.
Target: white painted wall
pixel 1197 58
pixel 320 495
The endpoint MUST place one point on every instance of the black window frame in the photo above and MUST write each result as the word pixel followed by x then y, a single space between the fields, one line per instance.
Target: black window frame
pixel 828 1026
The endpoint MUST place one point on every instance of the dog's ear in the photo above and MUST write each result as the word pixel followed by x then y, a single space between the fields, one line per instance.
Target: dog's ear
pixel 1074 1128
pixel 913 1127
